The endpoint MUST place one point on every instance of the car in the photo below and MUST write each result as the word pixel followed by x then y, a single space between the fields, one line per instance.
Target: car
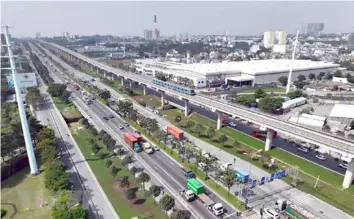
pixel 321 156
pixel 206 154
pixel 105 118
pixel 111 116
pixel 155 148
pixel 202 165
pixel 126 124
pixel 303 149
pixel 343 164
pixel 271 213
pixel 225 166
pixel 232 124
pixel 137 132
pixel 121 126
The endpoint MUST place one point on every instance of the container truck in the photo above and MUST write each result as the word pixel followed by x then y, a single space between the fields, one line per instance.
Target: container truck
pixel 133 142
pixel 242 176
pixel 147 148
pixel 196 190
pixel 175 132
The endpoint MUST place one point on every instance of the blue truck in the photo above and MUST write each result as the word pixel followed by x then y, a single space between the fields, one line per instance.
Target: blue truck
pixel 242 176
pixel 188 173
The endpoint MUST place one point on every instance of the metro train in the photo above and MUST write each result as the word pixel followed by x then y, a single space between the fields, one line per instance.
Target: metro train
pixel 175 87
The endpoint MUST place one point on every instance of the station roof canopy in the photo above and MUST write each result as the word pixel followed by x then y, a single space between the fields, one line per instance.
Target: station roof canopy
pixel 342 111
pixel 241 78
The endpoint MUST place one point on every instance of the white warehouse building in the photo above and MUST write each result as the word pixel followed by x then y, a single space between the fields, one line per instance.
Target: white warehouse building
pixel 233 73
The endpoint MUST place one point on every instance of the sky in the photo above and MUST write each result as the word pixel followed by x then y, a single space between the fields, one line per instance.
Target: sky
pixel 131 18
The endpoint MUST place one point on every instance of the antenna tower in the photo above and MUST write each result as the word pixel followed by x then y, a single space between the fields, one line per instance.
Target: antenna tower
pixel 155 48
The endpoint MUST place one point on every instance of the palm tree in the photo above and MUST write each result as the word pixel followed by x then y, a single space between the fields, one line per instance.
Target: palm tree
pixel 143 178
pixel 124 182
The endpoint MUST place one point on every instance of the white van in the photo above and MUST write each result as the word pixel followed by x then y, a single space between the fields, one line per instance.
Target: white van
pixel 271 213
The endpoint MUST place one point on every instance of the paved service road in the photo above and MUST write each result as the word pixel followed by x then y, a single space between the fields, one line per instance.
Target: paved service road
pixel 86 187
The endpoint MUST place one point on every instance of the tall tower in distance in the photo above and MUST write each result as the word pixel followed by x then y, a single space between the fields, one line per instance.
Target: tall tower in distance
pixel 155 48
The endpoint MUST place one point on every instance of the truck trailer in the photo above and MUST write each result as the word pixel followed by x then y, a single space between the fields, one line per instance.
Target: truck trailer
pixel 242 176
pixel 196 190
pixel 175 132
pixel 133 141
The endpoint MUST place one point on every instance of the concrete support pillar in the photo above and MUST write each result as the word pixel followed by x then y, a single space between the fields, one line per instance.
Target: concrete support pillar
pixel 162 98
pixel 144 89
pixel 130 84
pixel 112 77
pixel 91 67
pixel 97 70
pixel 268 143
pixel 349 175
pixel 186 107
pixel 122 81
pixel 104 74
pixel 218 121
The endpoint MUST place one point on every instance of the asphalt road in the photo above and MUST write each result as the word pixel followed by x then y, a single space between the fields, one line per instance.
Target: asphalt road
pixel 166 168
pixel 87 189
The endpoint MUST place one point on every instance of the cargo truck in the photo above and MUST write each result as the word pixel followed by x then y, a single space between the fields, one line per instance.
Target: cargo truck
pixel 188 173
pixel 133 141
pixel 287 210
pixel 242 176
pixel 196 190
pixel 175 132
pixel 147 148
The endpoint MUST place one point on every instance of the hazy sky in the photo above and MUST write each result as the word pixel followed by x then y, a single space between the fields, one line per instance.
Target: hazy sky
pixel 131 18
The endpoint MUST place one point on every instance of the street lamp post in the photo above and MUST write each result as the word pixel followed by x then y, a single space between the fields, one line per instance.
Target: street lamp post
pixel 21 108
pixel 292 63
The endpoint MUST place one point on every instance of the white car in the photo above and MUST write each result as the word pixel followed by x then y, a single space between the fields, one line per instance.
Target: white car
pixel 202 165
pixel 155 148
pixel 232 124
pixel 225 166
pixel 271 213
pixel 321 157
pixel 205 154
pixel 121 126
pixel 343 164
pixel 303 149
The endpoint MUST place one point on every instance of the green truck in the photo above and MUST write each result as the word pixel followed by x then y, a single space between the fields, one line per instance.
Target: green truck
pixel 196 190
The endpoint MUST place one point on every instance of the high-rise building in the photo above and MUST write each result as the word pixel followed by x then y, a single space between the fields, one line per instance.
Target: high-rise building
pixel 351 41
pixel 313 29
pixel 38 35
pixel 148 34
pixel 271 38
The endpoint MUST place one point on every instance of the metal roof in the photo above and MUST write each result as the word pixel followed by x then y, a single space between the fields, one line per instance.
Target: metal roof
pixel 342 111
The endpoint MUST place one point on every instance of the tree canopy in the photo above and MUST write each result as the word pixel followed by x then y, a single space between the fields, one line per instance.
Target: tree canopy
pixel 270 104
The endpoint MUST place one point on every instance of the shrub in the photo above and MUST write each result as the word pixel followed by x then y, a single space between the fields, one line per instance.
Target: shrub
pixel 142 103
pixel 108 163
pixel 155 190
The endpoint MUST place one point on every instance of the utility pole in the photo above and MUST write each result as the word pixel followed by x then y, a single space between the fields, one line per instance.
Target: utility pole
pixel 292 63
pixel 21 108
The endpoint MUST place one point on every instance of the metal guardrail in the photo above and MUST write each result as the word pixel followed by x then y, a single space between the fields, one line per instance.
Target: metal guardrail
pixel 317 137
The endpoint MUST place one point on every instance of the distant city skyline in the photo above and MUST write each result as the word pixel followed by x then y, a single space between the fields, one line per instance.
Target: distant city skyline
pixel 132 18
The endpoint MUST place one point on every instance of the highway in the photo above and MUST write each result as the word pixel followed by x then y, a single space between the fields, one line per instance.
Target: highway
pixel 279 188
pixel 86 187
pixel 306 134
pixel 159 164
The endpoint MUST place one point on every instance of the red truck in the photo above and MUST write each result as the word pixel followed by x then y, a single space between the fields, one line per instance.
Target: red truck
pixel 134 141
pixel 177 133
pixel 262 133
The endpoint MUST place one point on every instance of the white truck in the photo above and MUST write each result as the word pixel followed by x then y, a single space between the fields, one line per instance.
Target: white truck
pixel 147 148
